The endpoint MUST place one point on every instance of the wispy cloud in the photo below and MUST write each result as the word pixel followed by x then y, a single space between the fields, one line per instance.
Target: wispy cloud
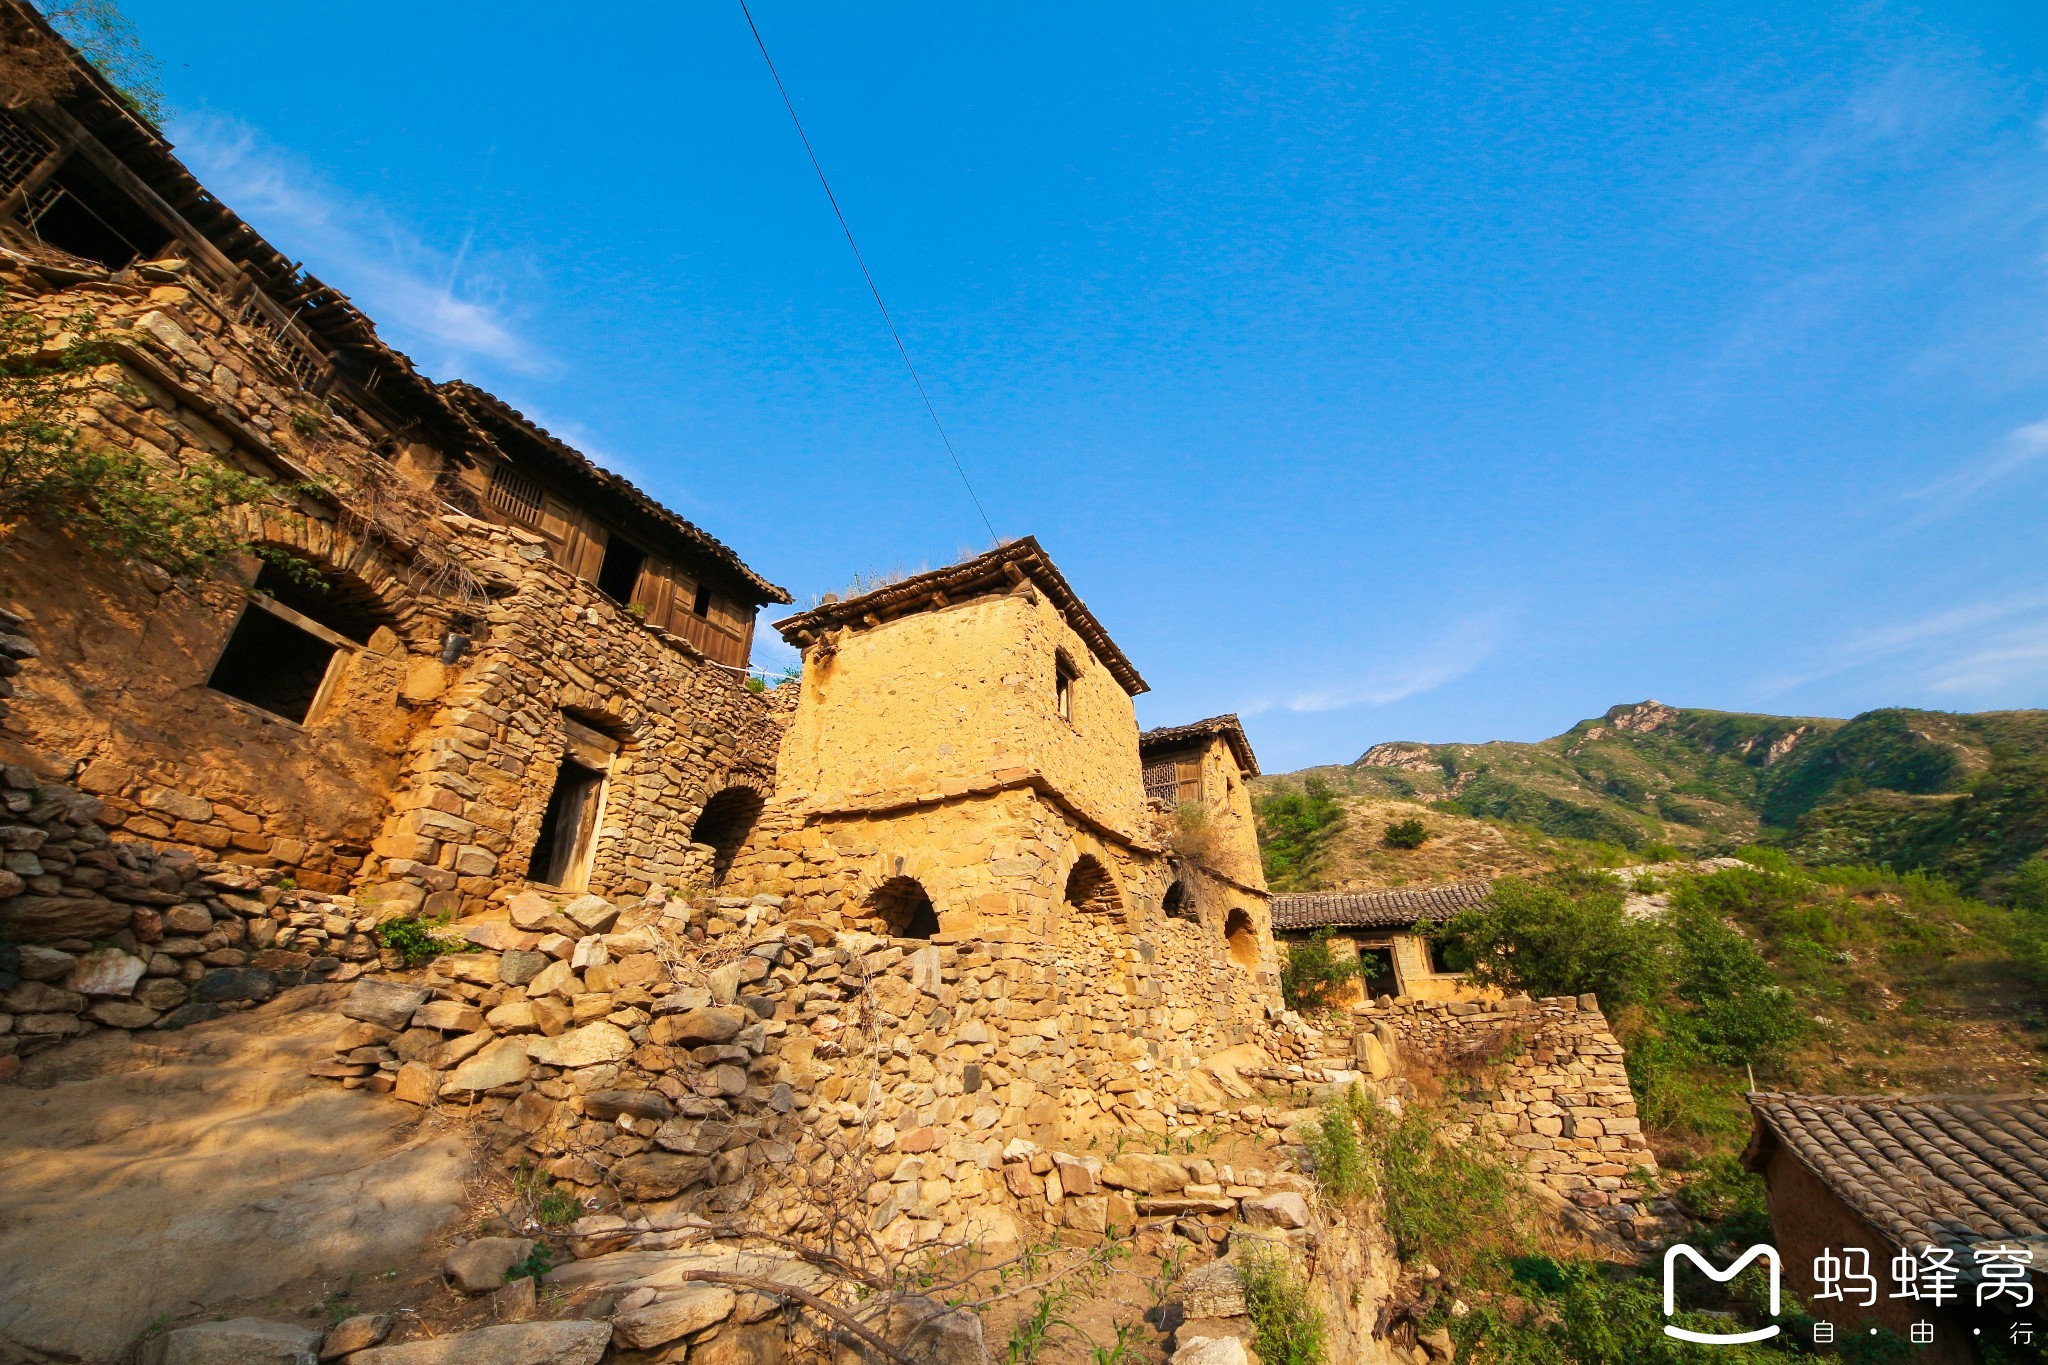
pixel 442 306
pixel 2019 450
pixel 1458 650
pixel 1974 648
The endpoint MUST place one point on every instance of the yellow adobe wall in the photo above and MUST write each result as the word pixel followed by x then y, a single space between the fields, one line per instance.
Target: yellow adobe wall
pixel 1411 970
pixel 1234 844
pixel 958 698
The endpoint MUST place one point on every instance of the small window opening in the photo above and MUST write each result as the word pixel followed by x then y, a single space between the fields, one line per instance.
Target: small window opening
pixel 727 820
pixel 1090 887
pixel 1447 956
pixel 566 829
pixel 1179 903
pixel 1241 941
pixel 904 908
pixel 620 572
pixel 701 604
pixel 273 663
pixel 1064 674
pixel 515 495
pixel 288 647
pixel 80 211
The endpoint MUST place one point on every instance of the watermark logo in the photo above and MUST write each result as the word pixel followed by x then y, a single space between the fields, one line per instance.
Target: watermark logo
pixel 1770 1256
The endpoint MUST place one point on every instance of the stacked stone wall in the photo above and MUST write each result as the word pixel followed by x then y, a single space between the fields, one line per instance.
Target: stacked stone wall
pixel 1544 1079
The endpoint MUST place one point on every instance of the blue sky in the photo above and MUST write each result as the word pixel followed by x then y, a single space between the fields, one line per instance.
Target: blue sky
pixel 1399 372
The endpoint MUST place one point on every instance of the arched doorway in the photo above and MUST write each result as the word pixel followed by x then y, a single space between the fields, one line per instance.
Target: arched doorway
pixel 1179 902
pixel 1090 887
pixel 726 821
pixel 1241 940
pixel 904 908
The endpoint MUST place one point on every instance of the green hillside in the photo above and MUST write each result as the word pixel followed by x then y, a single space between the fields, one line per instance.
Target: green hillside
pixel 1964 796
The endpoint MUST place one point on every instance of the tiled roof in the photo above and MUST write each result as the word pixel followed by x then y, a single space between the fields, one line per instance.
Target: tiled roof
pixel 1000 570
pixel 501 420
pixel 1393 909
pixel 1930 1169
pixel 1226 726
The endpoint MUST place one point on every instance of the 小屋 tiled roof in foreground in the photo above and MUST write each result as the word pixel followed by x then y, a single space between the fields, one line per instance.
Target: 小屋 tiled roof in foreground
pixel 1932 1169
pixel 1229 727
pixel 1392 909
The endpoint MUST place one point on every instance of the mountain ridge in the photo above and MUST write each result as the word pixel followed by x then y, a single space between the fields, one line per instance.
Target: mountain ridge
pixel 1962 795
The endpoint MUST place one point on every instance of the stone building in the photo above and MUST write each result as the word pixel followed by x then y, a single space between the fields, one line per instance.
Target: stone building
pixel 466 657
pixel 964 764
pixel 464 660
pixel 1385 931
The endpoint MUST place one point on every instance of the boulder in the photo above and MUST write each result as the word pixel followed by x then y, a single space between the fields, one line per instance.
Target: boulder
pixel 449 1016
pixel 105 971
pixel 519 966
pixel 586 1046
pixel 693 1309
pixel 498 936
pixel 479 1267
pixel 659 1175
pixel 702 1028
pixel 358 1333
pixel 531 911
pixel 503 1062
pixel 388 1004
pixel 241 1341
pixel 1145 1173
pixel 1212 1351
pixel 682 1000
pixel 38 963
pixel 121 1014
pixel 606 1105
pixel 235 983
pixel 416 1083
pixel 523 1343
pixel 591 914
pixel 1285 1209
pixel 40 997
pixel 55 917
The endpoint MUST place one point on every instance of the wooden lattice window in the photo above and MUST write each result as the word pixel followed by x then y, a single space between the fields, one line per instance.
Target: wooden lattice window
pixel 515 495
pixel 22 149
pixel 1176 781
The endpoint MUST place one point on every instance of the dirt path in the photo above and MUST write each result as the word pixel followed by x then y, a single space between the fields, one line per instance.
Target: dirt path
pixel 151 1178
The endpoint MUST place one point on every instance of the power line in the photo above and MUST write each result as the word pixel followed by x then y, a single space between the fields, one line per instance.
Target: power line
pixel 868 275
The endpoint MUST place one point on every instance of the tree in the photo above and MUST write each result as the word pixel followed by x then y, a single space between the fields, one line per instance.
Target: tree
pixel 112 501
pixel 109 40
pixel 1547 941
pixel 1310 973
pixel 1409 833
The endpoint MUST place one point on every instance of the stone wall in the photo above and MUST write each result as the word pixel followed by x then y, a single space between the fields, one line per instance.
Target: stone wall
pixel 420 781
pixel 1544 1079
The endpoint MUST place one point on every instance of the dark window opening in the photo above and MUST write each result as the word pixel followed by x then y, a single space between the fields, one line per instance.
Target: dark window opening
pixel 701 604
pixel 80 211
pixel 904 908
pixel 727 820
pixel 1179 903
pixel 271 663
pixel 1090 887
pixel 1448 956
pixel 342 605
pixel 1064 674
pixel 620 572
pixel 1376 970
pixel 567 825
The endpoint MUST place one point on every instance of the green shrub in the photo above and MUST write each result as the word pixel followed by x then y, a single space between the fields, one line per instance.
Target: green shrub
pixel 1310 974
pixel 1449 1203
pixel 1409 833
pixel 1738 1013
pixel 1566 937
pixel 1341 1165
pixel 416 942
pixel 1294 829
pixel 1288 1327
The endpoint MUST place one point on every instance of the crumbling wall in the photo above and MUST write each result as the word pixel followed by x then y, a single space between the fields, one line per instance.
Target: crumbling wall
pixel 1545 1080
